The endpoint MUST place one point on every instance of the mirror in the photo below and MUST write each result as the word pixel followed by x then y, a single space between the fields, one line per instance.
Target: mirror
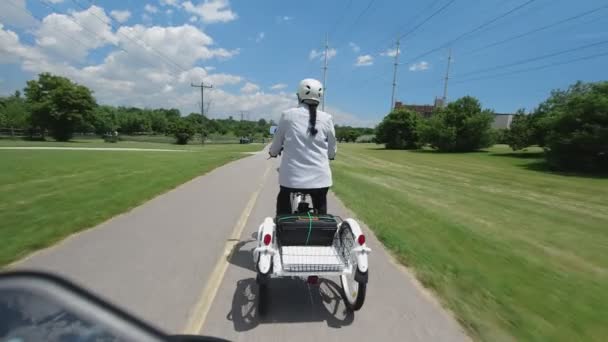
pixel 37 306
pixel 273 129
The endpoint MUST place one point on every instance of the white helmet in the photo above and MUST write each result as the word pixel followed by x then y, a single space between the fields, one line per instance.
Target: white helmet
pixel 310 89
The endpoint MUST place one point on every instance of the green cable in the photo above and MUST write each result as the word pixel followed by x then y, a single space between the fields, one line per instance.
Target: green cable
pixel 309 227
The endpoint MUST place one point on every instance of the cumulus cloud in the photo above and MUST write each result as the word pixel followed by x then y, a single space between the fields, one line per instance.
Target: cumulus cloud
pixel 120 16
pixel 260 37
pixel 279 86
pixel 137 75
pixel 151 8
pixel 193 19
pixel 211 11
pixel 55 1
pixel 364 60
pixel 354 46
pixel 421 66
pixel 249 88
pixel 390 52
pixel 14 13
pixel 173 3
pixel 314 54
pixel 89 29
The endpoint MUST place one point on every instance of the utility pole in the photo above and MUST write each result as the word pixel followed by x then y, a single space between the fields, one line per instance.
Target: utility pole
pixel 396 64
pixel 447 77
pixel 203 87
pixel 325 73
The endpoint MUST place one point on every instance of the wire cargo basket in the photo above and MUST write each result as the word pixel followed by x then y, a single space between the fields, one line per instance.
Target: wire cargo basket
pixel 317 259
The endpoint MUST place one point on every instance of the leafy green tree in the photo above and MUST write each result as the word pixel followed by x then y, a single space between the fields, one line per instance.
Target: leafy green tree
pixel 460 127
pixel 13 112
pixel 577 134
pixel 399 130
pixel 184 130
pixel 58 104
pixel 521 134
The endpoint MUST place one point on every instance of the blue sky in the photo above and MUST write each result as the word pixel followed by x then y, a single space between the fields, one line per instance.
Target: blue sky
pixel 146 53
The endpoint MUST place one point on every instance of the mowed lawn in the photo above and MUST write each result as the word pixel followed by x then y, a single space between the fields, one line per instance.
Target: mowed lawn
pixel 46 195
pixel 516 252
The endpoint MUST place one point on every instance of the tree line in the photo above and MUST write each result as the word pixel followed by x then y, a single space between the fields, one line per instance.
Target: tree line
pixel 571 126
pixel 61 107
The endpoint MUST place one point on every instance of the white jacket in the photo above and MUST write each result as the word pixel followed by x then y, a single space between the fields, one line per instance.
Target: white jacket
pixel 305 158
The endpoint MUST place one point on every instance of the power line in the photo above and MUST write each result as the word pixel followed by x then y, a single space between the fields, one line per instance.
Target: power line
pixel 541 67
pixel 542 28
pixel 140 42
pixel 470 32
pixel 25 10
pixel 426 20
pixel 533 59
pixel 339 21
pixel 51 7
pixel 365 10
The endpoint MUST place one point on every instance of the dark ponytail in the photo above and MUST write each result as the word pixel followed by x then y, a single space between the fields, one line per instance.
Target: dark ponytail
pixel 312 119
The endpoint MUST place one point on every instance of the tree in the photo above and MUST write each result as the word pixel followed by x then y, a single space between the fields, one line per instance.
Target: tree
pixel 521 134
pixel 399 130
pixel 58 104
pixel 577 122
pixel 184 130
pixel 13 112
pixel 460 127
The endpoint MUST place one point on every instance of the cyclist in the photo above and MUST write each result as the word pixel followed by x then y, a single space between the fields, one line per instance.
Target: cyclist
pixel 308 141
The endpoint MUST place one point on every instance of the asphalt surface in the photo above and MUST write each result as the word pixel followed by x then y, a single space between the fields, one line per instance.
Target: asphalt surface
pixel 183 262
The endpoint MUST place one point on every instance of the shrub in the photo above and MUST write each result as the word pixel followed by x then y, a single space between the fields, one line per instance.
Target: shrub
pixel 399 130
pixel 577 134
pixel 460 127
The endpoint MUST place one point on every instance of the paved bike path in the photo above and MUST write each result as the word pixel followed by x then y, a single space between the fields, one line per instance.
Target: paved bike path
pixel 166 261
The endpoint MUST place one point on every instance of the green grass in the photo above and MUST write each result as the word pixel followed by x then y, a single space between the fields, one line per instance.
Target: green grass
pixel 96 142
pixel 517 253
pixel 48 195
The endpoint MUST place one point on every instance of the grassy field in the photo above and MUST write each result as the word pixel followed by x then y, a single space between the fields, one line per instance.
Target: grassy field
pixel 516 252
pixel 47 195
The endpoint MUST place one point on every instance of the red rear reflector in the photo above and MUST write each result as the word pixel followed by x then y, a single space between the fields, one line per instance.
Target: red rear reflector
pixel 267 239
pixel 361 239
pixel 313 280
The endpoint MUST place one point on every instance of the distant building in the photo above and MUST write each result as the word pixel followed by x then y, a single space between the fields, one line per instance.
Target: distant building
pixel 425 111
pixel 502 121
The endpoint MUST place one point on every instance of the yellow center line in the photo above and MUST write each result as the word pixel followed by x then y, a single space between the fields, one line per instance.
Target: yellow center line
pixel 199 313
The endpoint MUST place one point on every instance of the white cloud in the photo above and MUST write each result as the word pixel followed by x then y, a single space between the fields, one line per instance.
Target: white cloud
pixel 314 54
pixel 421 66
pixel 169 11
pixel 260 37
pixel 193 19
pixel 173 3
pixel 120 16
pixel 211 11
pixel 55 1
pixel 390 52
pixel 283 19
pixel 279 86
pixel 348 119
pixel 141 77
pixel 354 46
pixel 151 8
pixel 249 88
pixel 89 30
pixel 146 17
pixel 365 60
pixel 14 13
